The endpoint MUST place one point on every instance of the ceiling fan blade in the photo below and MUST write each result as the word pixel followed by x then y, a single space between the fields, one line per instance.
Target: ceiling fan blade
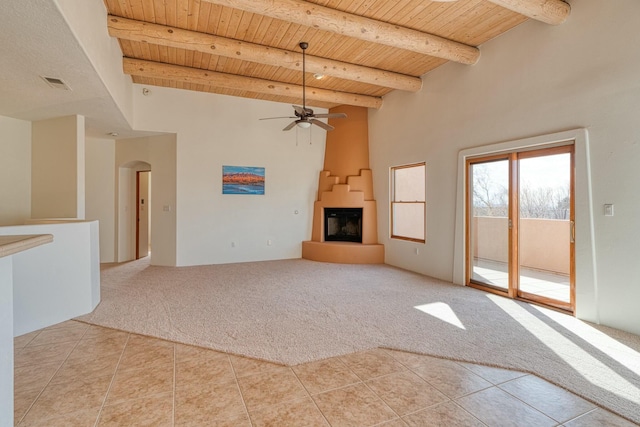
pixel 270 118
pixel 290 125
pixel 331 116
pixel 323 125
pixel 299 110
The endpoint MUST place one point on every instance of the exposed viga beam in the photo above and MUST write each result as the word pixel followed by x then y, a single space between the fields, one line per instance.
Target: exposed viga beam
pixel 347 24
pixel 145 32
pixel 157 70
pixel 552 12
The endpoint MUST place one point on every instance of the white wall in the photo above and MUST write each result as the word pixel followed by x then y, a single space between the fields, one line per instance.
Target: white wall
pixel 57 281
pixel 6 341
pixel 15 171
pixel 100 160
pixel 57 168
pixel 213 131
pixel 87 20
pixel 536 79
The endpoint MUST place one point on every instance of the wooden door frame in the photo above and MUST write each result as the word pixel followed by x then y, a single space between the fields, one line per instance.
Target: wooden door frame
pixel 137 255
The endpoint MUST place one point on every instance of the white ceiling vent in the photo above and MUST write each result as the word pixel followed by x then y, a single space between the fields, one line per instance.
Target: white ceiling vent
pixel 56 83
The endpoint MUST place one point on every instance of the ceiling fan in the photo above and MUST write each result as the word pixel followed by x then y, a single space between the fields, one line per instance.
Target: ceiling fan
pixel 304 116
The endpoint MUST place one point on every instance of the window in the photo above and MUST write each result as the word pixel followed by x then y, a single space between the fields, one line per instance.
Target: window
pixel 408 206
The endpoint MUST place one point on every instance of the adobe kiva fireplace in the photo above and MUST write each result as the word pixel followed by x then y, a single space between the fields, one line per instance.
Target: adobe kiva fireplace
pixel 345 226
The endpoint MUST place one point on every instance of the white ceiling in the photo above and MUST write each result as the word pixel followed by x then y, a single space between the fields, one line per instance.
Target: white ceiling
pixel 36 41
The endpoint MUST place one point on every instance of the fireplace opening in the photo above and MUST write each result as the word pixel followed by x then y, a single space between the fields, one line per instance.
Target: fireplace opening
pixel 343 225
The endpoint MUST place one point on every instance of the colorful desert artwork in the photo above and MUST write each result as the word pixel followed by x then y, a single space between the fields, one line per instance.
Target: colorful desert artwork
pixel 242 180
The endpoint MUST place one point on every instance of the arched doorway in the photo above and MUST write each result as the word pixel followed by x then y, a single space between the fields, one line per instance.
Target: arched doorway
pixel 134 233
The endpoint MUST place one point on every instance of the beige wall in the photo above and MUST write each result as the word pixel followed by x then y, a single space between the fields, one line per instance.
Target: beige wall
pixel 212 131
pixel 100 192
pixel 534 80
pixel 15 171
pixel 57 168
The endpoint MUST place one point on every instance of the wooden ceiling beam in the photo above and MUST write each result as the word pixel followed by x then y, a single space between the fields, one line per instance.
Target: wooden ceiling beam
pixel 140 31
pixel 347 24
pixel 157 70
pixel 549 11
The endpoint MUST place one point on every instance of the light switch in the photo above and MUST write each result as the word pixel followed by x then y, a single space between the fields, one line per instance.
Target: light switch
pixel 608 209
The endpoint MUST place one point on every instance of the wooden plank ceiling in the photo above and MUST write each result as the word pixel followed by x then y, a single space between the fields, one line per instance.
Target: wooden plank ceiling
pixel 364 48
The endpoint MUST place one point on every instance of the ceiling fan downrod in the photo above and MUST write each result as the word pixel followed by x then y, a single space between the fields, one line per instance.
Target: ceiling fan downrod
pixel 304 46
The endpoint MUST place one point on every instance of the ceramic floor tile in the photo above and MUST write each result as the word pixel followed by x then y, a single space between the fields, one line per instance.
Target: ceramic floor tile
pixel 40 354
pixel 204 401
pixel 34 377
pixel 188 352
pixel 269 388
pixel 63 374
pixel 323 375
pixel 450 378
pixel 493 375
pixel 498 408
pixel 409 359
pixel 354 405
pixel 138 383
pixel 154 411
pixel 98 332
pixel 446 414
pixel 547 398
pixel 393 423
pixel 599 417
pixel 72 332
pixel 193 420
pixel 136 340
pixel 301 412
pixel 22 401
pixel 84 418
pixel 244 366
pixel 211 367
pixel 89 348
pixel 405 392
pixel 139 356
pixel 22 340
pixel 372 363
pixel 65 398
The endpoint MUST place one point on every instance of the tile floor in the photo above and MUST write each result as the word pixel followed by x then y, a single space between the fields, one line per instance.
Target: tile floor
pixel 74 374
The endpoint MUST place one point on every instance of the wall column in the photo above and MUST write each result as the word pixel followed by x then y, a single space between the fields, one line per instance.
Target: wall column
pixel 57 168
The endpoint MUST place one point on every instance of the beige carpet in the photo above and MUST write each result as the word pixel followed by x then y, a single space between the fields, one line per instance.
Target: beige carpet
pixel 295 311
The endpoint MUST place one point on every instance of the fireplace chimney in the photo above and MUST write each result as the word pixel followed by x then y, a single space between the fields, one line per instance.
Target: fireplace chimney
pixel 346 182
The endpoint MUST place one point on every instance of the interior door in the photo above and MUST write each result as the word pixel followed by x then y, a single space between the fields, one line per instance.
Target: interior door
pixel 520 225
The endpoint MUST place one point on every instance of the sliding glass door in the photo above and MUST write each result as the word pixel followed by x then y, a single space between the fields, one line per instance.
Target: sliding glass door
pixel 520 225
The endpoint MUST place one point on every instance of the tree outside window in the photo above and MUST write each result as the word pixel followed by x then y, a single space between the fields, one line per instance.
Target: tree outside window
pixel 408 202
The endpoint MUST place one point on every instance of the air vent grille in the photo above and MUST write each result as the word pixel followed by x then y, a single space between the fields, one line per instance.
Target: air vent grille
pixel 56 83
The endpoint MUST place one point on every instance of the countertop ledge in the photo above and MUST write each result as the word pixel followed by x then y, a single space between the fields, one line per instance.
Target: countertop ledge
pixel 10 245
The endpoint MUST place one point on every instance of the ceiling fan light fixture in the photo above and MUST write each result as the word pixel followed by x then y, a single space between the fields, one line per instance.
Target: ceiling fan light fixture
pixel 304 124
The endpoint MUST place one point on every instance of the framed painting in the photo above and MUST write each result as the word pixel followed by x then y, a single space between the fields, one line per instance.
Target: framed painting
pixel 242 180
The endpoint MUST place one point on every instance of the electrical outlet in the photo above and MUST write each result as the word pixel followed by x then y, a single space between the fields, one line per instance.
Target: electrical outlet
pixel 417 251
pixel 608 209
pixel 269 242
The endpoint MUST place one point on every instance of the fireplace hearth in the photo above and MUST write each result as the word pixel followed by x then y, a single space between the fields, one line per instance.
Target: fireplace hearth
pixel 343 225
